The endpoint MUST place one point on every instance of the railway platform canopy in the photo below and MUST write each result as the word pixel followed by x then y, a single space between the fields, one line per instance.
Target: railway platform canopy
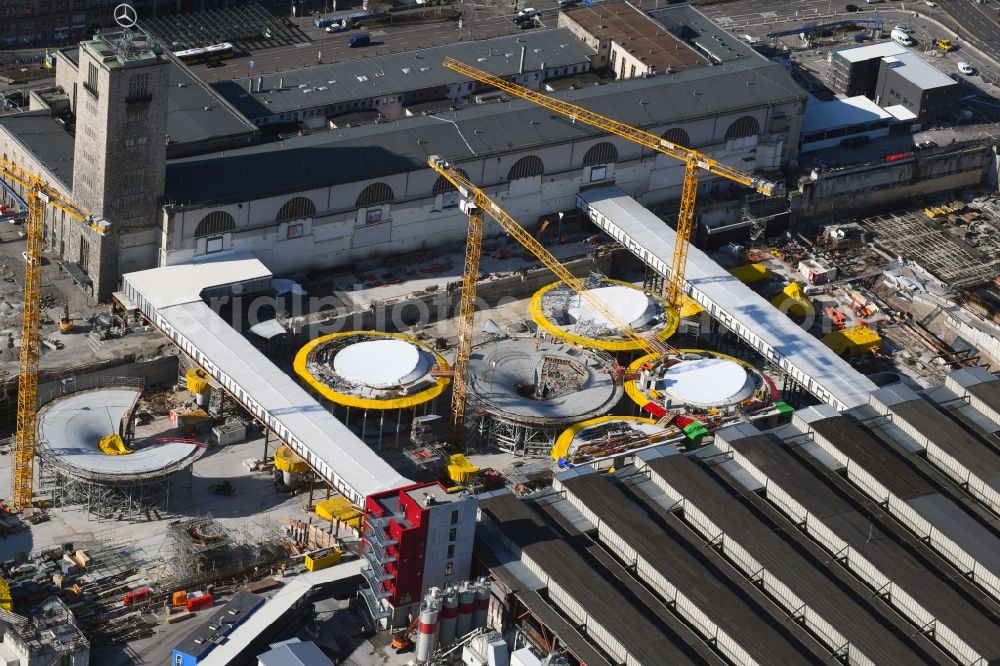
pixel 766 329
pixel 176 299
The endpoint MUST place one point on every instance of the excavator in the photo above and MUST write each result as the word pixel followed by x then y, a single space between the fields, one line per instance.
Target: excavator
pixel 401 640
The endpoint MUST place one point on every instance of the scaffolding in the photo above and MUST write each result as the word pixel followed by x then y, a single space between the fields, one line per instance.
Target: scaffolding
pixel 202 550
pixel 524 393
pixel 50 636
pixel 128 497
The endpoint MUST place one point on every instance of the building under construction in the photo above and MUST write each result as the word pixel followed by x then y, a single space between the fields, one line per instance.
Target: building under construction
pixel 375 382
pixel 200 550
pixel 566 315
pixel 88 454
pixel 524 391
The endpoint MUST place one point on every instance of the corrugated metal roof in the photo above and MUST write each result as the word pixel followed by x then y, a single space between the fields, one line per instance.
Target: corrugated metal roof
pixel 647 233
pixel 397 73
pixel 374 151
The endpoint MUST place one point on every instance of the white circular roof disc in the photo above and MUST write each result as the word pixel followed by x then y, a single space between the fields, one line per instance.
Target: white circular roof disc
pixel 708 382
pixel 631 306
pixel 382 363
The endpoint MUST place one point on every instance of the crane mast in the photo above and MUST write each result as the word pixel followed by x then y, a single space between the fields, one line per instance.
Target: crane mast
pixel 694 161
pixel 39 195
pixel 470 278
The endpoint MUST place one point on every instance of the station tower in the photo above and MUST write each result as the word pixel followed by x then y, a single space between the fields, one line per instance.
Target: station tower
pixel 119 162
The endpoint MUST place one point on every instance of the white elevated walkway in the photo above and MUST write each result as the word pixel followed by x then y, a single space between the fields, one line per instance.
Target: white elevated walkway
pixel 171 297
pixel 760 324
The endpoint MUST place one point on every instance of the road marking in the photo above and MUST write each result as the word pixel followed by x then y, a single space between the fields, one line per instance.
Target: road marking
pixel 93 343
pixel 377 33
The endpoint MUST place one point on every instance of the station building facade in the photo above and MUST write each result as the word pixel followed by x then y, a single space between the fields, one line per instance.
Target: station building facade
pixel 336 197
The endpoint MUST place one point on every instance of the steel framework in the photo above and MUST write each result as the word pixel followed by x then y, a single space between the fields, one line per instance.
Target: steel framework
pixel 200 550
pixel 133 499
pixel 470 278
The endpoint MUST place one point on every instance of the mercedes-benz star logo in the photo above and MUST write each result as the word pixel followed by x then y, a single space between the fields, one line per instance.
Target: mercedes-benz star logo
pixel 125 16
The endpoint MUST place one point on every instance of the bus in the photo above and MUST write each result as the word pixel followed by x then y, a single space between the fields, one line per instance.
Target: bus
pixel 212 53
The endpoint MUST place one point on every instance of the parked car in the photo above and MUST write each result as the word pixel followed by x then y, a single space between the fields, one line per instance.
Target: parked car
pixel 528 11
pixel 337 27
pixel 966 68
pixel 902 27
pixel 851 8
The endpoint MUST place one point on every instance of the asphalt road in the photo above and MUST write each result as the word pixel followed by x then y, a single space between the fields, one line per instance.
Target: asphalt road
pixel 976 23
pixel 765 15
pixel 478 22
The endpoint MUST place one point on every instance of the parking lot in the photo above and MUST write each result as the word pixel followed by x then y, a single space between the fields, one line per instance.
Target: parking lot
pixel 478 21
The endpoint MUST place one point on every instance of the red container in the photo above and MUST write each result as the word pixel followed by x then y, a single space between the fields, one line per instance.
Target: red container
pixel 197 603
pixel 136 596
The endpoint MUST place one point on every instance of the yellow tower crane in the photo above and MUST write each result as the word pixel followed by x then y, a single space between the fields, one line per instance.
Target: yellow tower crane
pixel 39 195
pixel 475 203
pixel 694 160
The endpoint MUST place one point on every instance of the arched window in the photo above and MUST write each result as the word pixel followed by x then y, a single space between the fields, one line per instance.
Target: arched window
pixel 602 153
pixel 526 167
pixel 296 209
pixel 442 185
pixel 216 222
pixel 678 136
pixel 373 195
pixel 741 127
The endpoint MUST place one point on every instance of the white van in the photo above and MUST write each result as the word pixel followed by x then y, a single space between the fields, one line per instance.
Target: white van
pixel 901 38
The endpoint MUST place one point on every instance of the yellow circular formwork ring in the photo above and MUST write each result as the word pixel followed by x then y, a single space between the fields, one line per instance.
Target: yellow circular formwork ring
pixel 640 399
pixel 287 460
pixel 301 369
pixel 616 344
pixel 690 307
pixel 565 438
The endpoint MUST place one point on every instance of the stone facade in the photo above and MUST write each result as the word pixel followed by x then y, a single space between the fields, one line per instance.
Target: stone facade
pixel 421 216
pixel 119 161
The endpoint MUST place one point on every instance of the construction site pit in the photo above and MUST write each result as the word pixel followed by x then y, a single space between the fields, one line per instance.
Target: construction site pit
pixel 608 437
pixel 374 382
pixel 524 391
pixel 566 315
